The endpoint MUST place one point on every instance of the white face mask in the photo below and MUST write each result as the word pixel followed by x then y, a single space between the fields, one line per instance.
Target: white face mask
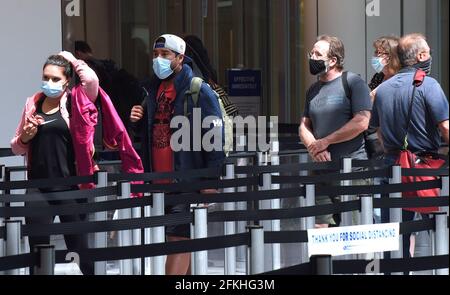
pixel 162 67
pixel 52 90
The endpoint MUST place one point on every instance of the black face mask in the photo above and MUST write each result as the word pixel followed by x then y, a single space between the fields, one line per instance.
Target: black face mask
pixel 425 66
pixel 317 66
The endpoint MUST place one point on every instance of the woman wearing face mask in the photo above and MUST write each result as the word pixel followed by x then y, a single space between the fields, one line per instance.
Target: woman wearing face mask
pixel 385 61
pixel 44 137
pixel 386 64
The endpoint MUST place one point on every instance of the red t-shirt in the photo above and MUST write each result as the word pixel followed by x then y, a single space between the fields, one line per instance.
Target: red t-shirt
pixel 161 150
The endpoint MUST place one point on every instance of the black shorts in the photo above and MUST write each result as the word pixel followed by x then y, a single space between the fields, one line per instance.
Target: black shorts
pixel 181 230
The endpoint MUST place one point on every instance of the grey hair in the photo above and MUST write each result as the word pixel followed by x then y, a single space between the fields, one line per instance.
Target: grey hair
pixel 409 47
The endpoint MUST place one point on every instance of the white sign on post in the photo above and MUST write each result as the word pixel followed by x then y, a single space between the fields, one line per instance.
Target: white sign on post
pixel 354 239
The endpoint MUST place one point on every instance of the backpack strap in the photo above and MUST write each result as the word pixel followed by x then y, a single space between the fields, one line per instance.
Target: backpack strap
pixel 419 76
pixel 347 89
pixel 193 92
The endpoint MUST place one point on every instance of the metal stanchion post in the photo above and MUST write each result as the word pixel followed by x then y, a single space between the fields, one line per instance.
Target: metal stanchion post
pixel 303 158
pixel 444 192
pixel 229 226
pixel 241 225
pixel 275 204
pixel 192 266
pixel 158 234
pixel 366 209
pixel 12 241
pixel 101 238
pixel 125 236
pixel 396 213
pixel 309 222
pixel 346 217
pixel 147 239
pixel 256 249
pixel 310 202
pixel 441 239
pixel 321 265
pixel 46 262
pixel 13 237
pixel 7 178
pixel 366 218
pixel 200 232
pixel 267 224
pixel 136 233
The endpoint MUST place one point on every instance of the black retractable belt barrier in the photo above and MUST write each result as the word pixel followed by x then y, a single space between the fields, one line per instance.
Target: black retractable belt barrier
pixel 190 174
pixel 43 183
pixel 58 196
pixel 377 189
pixel 425 172
pixel 392 265
pixel 6 152
pixel 71 209
pixel 287 168
pixel 130 252
pixel 410 202
pixel 105 226
pixel 416 226
pixel 273 214
pixel 193 186
pixel 18 261
pixel 285 237
pixel 360 266
pixel 385 172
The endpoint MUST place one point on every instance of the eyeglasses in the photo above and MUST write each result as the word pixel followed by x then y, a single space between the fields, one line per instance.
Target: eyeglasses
pixel 381 53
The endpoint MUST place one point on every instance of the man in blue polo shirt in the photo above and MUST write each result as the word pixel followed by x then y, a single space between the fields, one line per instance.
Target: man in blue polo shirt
pixel 429 116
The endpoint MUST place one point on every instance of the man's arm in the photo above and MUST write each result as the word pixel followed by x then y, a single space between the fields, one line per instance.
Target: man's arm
pixel 305 132
pixel 307 138
pixel 443 127
pixel 352 129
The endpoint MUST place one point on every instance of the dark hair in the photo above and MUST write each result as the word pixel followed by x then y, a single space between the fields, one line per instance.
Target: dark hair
pixel 82 46
pixel 197 51
pixel 337 49
pixel 58 60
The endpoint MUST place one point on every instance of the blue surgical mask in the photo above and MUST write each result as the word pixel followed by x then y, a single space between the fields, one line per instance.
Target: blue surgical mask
pixel 52 90
pixel 377 64
pixel 162 68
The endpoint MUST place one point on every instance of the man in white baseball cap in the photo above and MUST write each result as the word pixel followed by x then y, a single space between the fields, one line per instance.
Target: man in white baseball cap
pixel 168 55
pixel 151 122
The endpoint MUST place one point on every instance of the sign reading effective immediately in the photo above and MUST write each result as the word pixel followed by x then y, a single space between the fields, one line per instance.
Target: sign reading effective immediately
pixel 244 82
pixel 354 239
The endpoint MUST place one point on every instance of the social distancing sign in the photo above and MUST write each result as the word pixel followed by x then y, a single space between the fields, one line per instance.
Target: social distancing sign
pixel 360 239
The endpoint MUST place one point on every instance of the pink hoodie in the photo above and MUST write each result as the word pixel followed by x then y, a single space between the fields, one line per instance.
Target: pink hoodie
pixel 89 84
pixel 82 125
pixel 115 136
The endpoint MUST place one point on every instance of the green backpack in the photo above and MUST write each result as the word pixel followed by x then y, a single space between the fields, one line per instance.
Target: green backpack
pixel 194 92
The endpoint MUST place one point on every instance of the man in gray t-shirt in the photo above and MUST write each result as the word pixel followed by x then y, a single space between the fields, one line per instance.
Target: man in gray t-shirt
pixel 329 110
pixel 333 124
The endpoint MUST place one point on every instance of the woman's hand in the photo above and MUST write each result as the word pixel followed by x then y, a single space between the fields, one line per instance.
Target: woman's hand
pixel 69 56
pixel 30 129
